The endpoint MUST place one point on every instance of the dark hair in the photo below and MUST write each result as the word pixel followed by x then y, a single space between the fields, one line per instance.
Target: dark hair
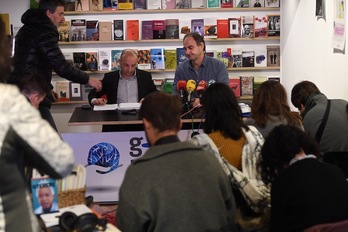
pixel 222 111
pixel 282 145
pixel 50 5
pixel 162 110
pixel 5 63
pixel 270 99
pixel 301 92
pixel 196 37
pixel 32 84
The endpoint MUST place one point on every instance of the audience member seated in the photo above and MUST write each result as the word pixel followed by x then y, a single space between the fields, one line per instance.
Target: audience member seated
pixel 270 108
pixel 305 191
pixel 25 137
pixel 313 104
pixel 129 84
pixel 174 186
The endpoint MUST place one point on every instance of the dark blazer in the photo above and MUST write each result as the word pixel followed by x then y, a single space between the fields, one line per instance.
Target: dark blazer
pixel 110 84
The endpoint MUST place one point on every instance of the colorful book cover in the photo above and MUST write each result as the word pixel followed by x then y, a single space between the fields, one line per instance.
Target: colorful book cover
pixel 213 3
pixel 183 4
pixel 237 57
pixel 139 4
pixel 154 4
pixel 246 85
pixel 247 26
pixel 198 4
pixel 157 58
pixel 168 4
pixel 184 27
pixel 115 58
pixel 172 28
pixel 241 3
pixel 223 56
pixel 109 5
pixel 248 58
pixel 235 85
pixel 69 57
pixel 158 29
pixel 261 57
pixel 258 80
pixel 105 33
pixel 63 90
pixel 170 58
pixel 211 53
pixel 273 56
pixel 210 27
pixel 197 25
pixel 78 30
pixel 180 55
pixel 64 31
pixel 273 25
pixel 44 195
pixel 260 27
pixel 92 30
pixel 118 29
pixel 125 5
pixel 91 61
pixel 132 32
pixel 144 59
pixel 226 3
pixel 95 5
pixel 82 5
pixel 234 30
pixel 146 30
pixel 257 3
pixel 79 59
pixel 222 28
pixel 104 57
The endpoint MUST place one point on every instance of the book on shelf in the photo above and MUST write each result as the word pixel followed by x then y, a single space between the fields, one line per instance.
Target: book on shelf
pixel 132 29
pixel 226 3
pixel 82 5
pixel 91 61
pixel 139 4
pixel 247 26
pixel 85 91
pixel 95 5
pixel 42 188
pixel 168 4
pixel 197 25
pixel 258 80
pixel 273 25
pixel 118 29
pixel 183 4
pixel 211 53
pixel 69 57
pixel 115 58
pixel 109 5
pixel 180 55
pixel 241 3
pixel 260 57
pixel 222 28
pixel 125 5
pixel 235 85
pixel 154 4
pixel 210 27
pixel 223 56
pixel 144 59
pixel 248 58
pixel 157 58
pixel 237 57
pixel 260 26
pixel 104 57
pixel 105 33
pixel 272 3
pixel 213 3
pixel 79 59
pixel 78 29
pixel 76 92
pixel 257 3
pixel 198 4
pixel 146 30
pixel 69 5
pixel 158 29
pixel 172 28
pixel 170 58
pixel 63 90
pixel 184 27
pixel 246 85
pixel 234 27
pixel 64 31
pixel 273 78
pixel 273 56
pixel 92 30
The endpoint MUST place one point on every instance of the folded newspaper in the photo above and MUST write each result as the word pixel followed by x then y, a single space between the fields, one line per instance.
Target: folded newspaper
pixel 121 106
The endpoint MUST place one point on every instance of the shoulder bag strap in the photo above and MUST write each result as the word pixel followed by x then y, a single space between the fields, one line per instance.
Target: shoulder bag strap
pixel 323 122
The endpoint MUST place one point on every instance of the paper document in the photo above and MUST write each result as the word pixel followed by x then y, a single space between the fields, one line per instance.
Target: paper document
pixel 129 106
pixel 105 107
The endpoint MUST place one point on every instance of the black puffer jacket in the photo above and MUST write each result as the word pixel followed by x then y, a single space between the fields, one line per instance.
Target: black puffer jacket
pixel 37 50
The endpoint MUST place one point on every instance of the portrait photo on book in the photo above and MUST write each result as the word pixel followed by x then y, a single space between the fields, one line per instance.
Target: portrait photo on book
pixel 45 195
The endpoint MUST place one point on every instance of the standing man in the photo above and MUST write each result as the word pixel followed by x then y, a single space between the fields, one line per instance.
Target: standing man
pixel 37 51
pixel 199 66
pixel 312 104
pixel 167 189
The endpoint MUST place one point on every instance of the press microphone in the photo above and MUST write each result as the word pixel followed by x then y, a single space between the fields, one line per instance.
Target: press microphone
pixel 210 82
pixel 167 87
pixel 202 85
pixel 181 85
pixel 190 87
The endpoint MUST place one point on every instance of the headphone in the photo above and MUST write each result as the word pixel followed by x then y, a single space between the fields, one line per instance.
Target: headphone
pixel 88 222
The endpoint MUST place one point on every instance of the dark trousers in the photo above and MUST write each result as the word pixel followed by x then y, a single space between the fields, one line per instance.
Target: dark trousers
pixel 46 114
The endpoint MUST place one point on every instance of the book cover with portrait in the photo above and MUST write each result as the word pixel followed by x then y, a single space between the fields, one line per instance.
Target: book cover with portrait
pixel 45 195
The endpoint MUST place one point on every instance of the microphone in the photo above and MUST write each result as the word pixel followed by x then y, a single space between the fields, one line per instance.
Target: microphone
pixel 180 86
pixel 190 87
pixel 167 87
pixel 210 82
pixel 202 85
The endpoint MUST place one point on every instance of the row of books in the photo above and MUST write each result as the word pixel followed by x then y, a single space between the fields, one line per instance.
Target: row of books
pixel 247 85
pixel 160 58
pixel 118 29
pixel 109 5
